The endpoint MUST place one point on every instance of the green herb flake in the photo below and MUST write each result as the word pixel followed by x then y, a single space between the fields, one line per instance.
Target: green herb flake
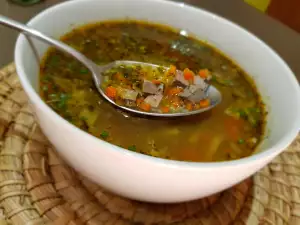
pixel 160 69
pixel 53 61
pixel 132 148
pixel 104 134
pixel 84 71
pixel 242 114
pixel 241 141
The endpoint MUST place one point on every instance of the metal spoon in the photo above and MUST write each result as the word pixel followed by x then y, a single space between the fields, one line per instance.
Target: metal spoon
pixel 212 93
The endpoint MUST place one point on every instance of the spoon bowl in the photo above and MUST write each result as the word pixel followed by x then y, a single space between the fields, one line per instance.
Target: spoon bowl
pixel 211 93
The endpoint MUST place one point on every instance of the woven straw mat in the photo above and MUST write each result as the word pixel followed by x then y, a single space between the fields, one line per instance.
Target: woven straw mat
pixel 37 187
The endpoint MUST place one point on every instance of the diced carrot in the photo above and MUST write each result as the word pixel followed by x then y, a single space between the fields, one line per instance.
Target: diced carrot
pixel 145 106
pixel 172 69
pixel 204 103
pixel 139 101
pixel 203 73
pixel 111 92
pixel 165 109
pixel 175 91
pixel 189 106
pixel 188 74
pixel 156 82
pixel 120 77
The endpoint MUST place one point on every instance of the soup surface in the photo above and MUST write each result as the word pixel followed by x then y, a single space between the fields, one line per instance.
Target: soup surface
pixel 229 131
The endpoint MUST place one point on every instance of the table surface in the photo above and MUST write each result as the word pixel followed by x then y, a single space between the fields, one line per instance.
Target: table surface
pixel 281 38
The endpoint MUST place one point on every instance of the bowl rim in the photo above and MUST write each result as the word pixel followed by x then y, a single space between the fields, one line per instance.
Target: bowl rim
pixel 283 143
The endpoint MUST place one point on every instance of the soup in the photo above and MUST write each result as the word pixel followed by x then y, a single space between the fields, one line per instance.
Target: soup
pixel 157 89
pixel 231 130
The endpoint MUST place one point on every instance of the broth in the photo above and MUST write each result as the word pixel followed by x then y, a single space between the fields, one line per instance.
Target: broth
pixel 231 130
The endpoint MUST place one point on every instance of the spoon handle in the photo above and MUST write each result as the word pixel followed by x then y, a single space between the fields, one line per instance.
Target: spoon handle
pixel 37 34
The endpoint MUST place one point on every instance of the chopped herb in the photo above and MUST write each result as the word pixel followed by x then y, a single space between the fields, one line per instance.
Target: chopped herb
pixel 160 69
pixel 84 71
pixel 241 141
pixel 61 105
pixel 132 148
pixel 104 134
pixel 214 78
pixel 53 61
pixel 64 96
pixel 242 114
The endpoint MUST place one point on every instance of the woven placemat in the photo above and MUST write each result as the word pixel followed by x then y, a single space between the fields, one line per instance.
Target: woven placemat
pixel 37 187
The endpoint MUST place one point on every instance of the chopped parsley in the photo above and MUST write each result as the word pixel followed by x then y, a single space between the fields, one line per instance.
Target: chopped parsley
pixel 132 148
pixel 104 134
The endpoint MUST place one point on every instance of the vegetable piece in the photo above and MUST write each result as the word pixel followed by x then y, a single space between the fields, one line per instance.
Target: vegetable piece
pixel 145 106
pixel 128 94
pixel 165 109
pixel 153 100
pixel 189 106
pixel 104 134
pixel 84 71
pixel 185 93
pixel 188 74
pixel 132 148
pixel 204 103
pixel 241 141
pixel 172 70
pixel 120 77
pixel 149 87
pixel 204 73
pixel 174 91
pixel 90 117
pixel 200 82
pixel 251 142
pixel 156 82
pixel 111 92
pixel 180 78
pixel 197 96
pixel 139 101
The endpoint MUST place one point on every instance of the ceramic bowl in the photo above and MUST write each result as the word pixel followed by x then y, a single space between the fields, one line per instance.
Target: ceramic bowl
pixel 142 177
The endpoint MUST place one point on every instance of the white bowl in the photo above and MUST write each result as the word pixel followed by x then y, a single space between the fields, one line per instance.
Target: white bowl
pixel 143 177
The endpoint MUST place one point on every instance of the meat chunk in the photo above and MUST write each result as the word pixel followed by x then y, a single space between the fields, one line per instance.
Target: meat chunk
pixel 154 100
pixel 195 93
pixel 199 81
pixel 185 93
pixel 198 95
pixel 180 78
pixel 128 94
pixel 149 87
